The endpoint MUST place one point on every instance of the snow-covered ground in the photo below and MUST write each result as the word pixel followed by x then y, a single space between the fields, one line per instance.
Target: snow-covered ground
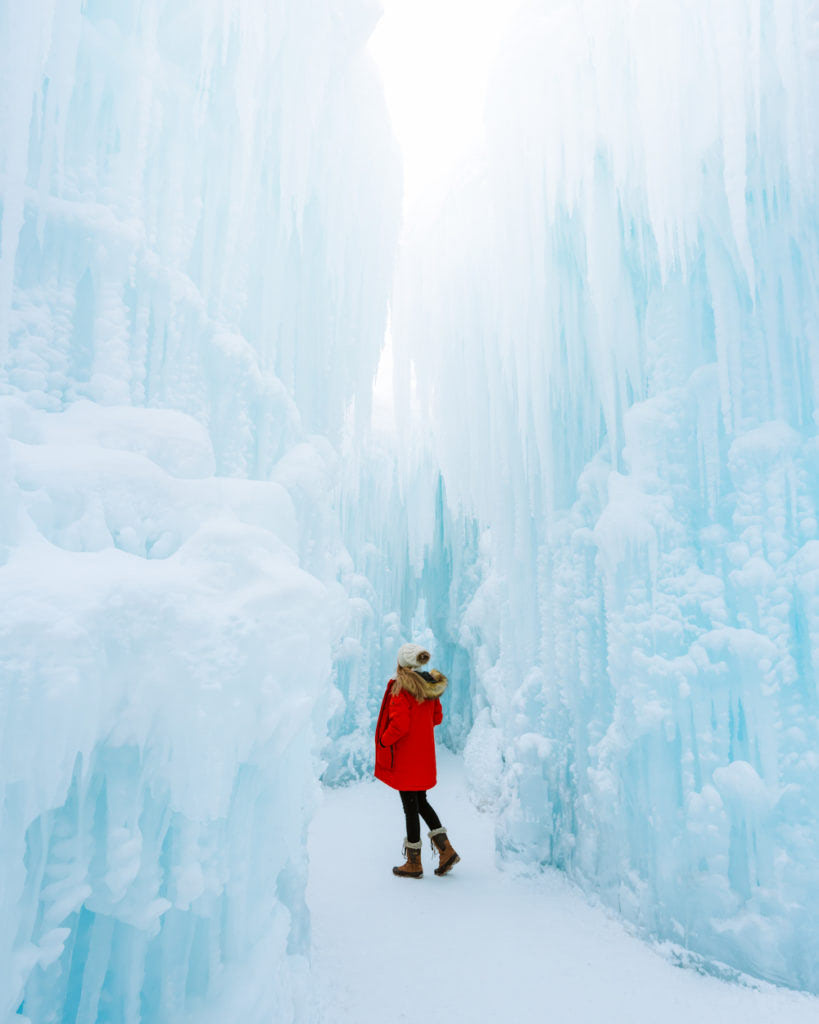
pixel 483 945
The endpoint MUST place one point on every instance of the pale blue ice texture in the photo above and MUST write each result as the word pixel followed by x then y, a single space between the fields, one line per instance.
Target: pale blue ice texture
pixel 617 370
pixel 599 504
pixel 193 227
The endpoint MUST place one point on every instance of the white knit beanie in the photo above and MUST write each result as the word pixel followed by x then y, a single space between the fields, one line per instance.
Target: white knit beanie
pixel 409 654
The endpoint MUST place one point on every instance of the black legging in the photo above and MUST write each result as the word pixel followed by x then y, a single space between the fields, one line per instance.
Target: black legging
pixel 415 802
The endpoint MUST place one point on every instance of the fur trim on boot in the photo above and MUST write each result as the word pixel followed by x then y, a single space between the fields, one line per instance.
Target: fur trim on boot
pixel 442 846
pixel 412 867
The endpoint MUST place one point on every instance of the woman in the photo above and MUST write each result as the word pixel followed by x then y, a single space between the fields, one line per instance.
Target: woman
pixel 405 754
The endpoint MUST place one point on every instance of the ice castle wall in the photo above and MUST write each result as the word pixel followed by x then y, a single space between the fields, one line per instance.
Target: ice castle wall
pixel 411 568
pixel 193 227
pixel 613 329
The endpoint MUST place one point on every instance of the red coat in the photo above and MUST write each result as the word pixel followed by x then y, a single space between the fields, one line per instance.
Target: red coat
pixel 405 741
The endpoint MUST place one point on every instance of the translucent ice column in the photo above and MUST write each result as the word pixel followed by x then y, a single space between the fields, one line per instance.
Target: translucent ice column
pixel 198 207
pixel 613 329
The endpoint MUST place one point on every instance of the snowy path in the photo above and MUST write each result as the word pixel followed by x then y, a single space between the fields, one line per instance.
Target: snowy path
pixel 480 945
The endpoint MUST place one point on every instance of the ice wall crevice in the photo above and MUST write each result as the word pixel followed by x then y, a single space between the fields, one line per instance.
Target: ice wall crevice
pixel 617 372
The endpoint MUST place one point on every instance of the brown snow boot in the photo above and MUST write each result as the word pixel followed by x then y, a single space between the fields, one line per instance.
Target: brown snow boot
pixel 412 868
pixel 441 845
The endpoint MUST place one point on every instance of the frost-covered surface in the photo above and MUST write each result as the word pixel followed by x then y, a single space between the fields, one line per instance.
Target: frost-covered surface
pixel 614 330
pixel 182 186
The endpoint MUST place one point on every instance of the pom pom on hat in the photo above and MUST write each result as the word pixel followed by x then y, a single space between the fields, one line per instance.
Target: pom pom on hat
pixel 412 656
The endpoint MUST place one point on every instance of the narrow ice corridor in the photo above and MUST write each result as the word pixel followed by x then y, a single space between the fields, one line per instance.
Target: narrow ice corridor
pixel 583 469
pixel 484 944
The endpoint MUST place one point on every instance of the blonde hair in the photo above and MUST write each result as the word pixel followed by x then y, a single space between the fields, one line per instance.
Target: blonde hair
pixel 418 687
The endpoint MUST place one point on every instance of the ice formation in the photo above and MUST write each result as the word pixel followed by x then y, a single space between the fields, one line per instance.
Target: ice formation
pixel 598 502
pixel 613 330
pixel 183 190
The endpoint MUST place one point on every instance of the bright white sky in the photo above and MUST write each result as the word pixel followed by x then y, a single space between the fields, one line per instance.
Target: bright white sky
pixel 435 57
